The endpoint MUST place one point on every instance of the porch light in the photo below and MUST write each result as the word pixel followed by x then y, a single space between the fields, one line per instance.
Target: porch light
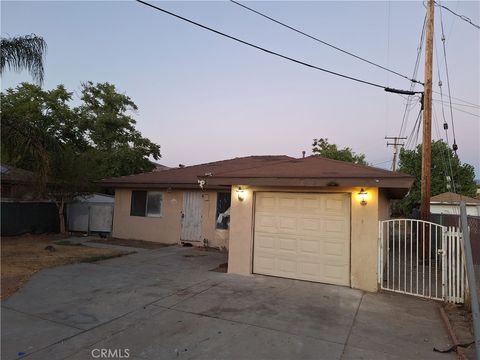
pixel 240 194
pixel 363 196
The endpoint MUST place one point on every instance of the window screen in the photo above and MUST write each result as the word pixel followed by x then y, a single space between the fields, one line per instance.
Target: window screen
pixel 154 203
pixel 223 210
pixel 138 207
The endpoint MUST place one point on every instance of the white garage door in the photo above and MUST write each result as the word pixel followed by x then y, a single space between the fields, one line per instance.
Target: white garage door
pixel 303 236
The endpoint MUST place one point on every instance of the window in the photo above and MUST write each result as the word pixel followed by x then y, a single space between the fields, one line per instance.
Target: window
pixel 146 203
pixel 223 210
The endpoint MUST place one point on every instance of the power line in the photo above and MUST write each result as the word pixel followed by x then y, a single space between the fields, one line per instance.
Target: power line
pixel 458 99
pixel 324 42
pixel 270 51
pixel 465 112
pixel 454 145
pixel 447 165
pixel 410 143
pixel 459 104
pixel 463 17
pixel 407 110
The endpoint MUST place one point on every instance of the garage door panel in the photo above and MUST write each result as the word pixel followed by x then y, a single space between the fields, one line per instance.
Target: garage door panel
pixel 266 223
pixel 334 249
pixel 303 236
pixel 287 224
pixel 265 263
pixel 310 224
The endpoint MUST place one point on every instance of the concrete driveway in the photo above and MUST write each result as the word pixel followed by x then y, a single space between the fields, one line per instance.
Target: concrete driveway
pixel 166 304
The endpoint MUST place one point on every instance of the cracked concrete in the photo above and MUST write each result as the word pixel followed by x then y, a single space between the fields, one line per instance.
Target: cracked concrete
pixel 165 303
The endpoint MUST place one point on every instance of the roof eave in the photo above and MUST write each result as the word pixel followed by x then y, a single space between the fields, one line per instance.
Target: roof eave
pixel 399 182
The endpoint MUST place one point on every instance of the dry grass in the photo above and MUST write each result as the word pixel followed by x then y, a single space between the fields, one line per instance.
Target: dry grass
pixel 131 243
pixel 23 256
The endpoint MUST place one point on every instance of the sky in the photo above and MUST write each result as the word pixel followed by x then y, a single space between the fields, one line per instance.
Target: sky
pixel 204 98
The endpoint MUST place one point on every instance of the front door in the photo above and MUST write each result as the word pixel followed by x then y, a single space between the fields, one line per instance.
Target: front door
pixel 192 216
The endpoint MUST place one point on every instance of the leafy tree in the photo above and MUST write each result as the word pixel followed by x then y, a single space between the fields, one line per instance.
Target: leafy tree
pixel 120 149
pixel 23 53
pixel 70 147
pixel 322 147
pixel 443 157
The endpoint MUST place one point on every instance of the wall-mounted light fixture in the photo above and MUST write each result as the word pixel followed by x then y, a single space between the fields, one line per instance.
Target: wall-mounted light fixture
pixel 240 194
pixel 363 196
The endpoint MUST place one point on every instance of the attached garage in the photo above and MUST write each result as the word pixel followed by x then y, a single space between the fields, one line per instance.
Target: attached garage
pixel 303 236
pixel 312 219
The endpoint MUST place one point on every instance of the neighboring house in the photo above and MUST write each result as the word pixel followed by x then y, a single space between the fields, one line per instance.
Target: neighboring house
pixel 159 167
pixel 447 203
pixel 478 187
pixel 311 218
pixel 92 213
pixel 17 184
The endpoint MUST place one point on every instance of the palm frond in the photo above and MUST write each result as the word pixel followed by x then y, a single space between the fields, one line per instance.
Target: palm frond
pixel 23 53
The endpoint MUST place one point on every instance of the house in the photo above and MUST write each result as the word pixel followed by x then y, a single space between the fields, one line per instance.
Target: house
pixel 17 184
pixel 447 203
pixel 311 218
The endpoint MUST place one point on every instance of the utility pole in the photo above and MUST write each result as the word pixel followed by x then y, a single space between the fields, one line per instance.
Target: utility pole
pixel 427 117
pixel 395 145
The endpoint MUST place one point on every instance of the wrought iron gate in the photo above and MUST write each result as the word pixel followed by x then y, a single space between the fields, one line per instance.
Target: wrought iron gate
pixel 421 258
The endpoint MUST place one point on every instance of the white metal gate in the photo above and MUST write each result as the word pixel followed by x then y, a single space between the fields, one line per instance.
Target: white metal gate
pixel 421 258
pixel 192 216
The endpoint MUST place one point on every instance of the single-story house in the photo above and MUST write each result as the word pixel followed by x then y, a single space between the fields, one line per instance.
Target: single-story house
pixel 448 202
pixel 17 184
pixel 311 218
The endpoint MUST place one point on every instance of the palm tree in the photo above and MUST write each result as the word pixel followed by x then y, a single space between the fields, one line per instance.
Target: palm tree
pixel 23 52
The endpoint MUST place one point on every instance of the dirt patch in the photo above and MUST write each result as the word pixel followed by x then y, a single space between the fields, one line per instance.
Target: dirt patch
pixel 131 243
pixel 461 322
pixel 221 268
pixel 22 256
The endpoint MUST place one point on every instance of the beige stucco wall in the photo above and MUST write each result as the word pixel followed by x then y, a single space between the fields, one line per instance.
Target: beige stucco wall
pixel 164 229
pixel 364 232
pixel 167 228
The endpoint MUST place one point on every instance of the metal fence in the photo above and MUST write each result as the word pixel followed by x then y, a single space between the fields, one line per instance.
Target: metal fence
pixel 90 217
pixel 474 226
pixel 19 218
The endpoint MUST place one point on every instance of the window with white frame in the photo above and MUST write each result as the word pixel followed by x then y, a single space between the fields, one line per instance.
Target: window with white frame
pixel 146 203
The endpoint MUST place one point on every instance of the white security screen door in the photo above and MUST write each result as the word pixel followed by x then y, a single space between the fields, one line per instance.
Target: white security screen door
pixel 192 216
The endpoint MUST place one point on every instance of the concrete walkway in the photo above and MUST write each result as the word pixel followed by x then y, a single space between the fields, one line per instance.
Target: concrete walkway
pixel 166 304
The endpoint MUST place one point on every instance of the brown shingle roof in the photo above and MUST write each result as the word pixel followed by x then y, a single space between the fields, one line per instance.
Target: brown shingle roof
pixel 15 175
pixel 313 171
pixel 268 171
pixel 449 198
pixel 188 176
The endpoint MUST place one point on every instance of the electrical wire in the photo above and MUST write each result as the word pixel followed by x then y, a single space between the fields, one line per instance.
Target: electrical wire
pixel 458 104
pixel 447 163
pixel 386 88
pixel 410 143
pixel 406 113
pixel 439 136
pixel 463 17
pixel 324 42
pixel 454 145
pixel 458 99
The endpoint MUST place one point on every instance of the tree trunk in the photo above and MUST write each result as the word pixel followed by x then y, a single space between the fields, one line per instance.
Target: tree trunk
pixel 61 217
